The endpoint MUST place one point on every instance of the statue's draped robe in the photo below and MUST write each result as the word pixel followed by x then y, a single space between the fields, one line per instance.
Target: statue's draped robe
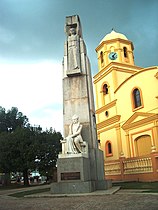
pixel 74 143
pixel 73 52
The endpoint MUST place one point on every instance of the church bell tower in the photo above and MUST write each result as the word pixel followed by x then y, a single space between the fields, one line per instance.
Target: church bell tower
pixel 115 55
pixel 115 47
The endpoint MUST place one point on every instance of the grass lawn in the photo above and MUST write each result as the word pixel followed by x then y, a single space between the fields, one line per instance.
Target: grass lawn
pixel 29 192
pixel 151 186
pixel 18 186
pixel 27 189
pixel 13 186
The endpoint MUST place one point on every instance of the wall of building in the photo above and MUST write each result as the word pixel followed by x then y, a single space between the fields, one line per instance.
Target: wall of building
pixel 131 131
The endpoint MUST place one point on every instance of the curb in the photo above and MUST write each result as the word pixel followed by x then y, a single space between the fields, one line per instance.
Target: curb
pixel 95 193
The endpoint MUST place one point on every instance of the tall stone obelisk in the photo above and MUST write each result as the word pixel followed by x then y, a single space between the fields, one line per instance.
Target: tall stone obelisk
pixel 77 171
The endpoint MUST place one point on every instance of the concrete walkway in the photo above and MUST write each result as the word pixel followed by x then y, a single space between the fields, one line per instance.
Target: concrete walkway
pixel 114 200
pixel 95 193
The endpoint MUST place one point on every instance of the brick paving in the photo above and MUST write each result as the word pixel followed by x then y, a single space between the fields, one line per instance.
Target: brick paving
pixel 122 200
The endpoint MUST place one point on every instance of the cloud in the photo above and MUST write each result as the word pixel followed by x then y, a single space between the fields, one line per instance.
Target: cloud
pixel 6 36
pixel 35 89
pixel 48 118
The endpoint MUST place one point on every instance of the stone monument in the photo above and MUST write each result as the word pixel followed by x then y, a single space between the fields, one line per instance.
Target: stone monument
pixel 80 166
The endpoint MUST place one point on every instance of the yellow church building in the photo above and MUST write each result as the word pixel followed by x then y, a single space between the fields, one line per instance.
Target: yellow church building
pixel 126 111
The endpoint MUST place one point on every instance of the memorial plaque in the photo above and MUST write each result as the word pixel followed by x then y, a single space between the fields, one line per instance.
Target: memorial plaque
pixel 70 176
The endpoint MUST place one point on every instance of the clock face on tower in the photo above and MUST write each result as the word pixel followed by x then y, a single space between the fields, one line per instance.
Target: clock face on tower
pixel 113 56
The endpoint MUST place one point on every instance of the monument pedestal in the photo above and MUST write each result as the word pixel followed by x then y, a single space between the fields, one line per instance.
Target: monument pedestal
pixel 74 175
pixel 73 168
pixel 74 187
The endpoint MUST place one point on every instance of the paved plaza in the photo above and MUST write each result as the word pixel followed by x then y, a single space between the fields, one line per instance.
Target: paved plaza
pixel 121 200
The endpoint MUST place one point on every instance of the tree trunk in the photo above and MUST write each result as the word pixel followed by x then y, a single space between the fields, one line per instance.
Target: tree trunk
pixel 25 175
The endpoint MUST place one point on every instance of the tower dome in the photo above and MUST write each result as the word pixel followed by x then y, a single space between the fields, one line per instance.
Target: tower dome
pixel 115 47
pixel 113 35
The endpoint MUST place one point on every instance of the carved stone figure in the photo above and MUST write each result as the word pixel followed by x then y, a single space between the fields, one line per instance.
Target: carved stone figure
pixel 73 50
pixel 74 140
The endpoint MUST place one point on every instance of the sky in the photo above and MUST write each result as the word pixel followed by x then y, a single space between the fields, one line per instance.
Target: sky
pixel 32 47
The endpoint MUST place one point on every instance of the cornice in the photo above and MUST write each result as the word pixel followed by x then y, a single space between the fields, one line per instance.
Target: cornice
pixel 118 67
pixel 107 106
pixel 141 122
pixel 117 125
pixel 108 122
pixel 142 70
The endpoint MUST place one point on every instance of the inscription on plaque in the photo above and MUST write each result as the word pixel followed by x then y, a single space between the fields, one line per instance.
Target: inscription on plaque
pixel 70 176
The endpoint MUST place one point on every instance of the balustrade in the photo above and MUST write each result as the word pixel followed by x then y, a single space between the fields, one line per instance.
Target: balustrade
pixel 142 165
pixel 112 168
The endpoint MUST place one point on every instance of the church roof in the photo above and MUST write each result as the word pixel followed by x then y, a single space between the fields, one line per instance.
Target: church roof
pixel 113 35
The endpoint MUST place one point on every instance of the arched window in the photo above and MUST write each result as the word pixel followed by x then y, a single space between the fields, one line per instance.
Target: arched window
pixel 101 57
pixel 105 89
pixel 137 98
pixel 108 148
pixel 125 52
pixel 106 113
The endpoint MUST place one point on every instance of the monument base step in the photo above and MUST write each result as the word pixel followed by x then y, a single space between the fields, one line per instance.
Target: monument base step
pixel 79 187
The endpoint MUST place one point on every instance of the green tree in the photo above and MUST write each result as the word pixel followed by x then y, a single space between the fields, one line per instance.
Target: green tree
pixel 49 147
pixel 11 119
pixel 24 148
pixel 17 151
